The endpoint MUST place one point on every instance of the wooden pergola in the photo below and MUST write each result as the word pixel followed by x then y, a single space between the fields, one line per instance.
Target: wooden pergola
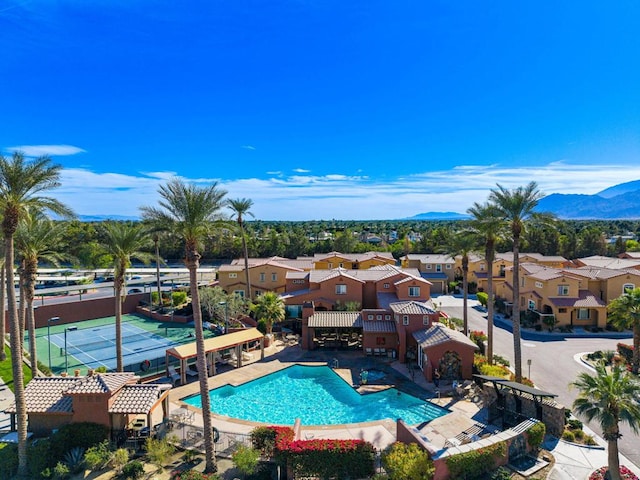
pixel 213 345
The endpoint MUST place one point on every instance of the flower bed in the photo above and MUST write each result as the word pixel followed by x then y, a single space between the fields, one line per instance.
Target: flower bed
pixel 625 474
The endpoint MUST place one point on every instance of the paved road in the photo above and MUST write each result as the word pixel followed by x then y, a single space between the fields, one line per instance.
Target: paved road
pixel 553 363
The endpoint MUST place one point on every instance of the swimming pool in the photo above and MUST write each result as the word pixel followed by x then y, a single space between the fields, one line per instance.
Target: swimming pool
pixel 316 395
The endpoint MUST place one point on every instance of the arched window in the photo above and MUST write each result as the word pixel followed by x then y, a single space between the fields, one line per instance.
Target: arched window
pixel 627 286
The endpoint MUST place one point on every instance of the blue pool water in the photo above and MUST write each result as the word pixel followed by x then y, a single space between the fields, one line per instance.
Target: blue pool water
pixel 316 395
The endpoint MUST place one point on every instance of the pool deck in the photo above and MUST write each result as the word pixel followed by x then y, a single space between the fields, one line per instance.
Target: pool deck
pixel 381 433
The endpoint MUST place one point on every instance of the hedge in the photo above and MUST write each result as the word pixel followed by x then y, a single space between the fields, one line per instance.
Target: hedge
pixel 476 463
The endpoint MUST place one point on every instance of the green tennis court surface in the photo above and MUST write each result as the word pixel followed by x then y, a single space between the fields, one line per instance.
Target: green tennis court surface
pixel 91 343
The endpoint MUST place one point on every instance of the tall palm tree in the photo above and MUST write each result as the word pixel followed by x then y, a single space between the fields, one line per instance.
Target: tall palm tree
pixel 3 332
pixel 487 222
pixel 624 312
pixel 461 244
pixel 190 212
pixel 609 398
pixel 240 208
pixel 270 308
pixel 22 184
pixel 124 241
pixel 516 207
pixel 37 239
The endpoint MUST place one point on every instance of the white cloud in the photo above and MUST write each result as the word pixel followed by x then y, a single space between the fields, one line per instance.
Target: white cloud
pixel 248 147
pixel 301 170
pixel 340 196
pixel 39 150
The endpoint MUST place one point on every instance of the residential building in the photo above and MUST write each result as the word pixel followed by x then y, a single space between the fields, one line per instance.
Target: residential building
pixel 438 269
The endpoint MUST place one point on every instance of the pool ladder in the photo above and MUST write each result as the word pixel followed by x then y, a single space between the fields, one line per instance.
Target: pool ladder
pixel 335 363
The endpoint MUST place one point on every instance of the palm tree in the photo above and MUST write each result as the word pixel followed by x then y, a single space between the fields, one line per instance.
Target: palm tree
pixel 21 185
pixel 190 212
pixel 624 312
pixel 487 222
pixel 516 207
pixel 36 239
pixel 270 308
pixel 240 207
pixel 124 241
pixel 609 398
pixel 461 244
pixel 3 332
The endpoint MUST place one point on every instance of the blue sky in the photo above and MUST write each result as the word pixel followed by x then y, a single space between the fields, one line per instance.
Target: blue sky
pixel 321 109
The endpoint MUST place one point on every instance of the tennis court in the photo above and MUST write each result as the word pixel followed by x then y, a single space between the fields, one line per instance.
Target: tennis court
pixel 91 344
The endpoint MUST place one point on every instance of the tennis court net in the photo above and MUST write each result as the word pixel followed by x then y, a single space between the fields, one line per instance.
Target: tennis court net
pixel 108 343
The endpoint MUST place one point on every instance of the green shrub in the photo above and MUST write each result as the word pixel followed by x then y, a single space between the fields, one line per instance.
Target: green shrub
pixel 494 370
pixel 98 456
pixel 535 435
pixel 331 458
pixel 407 462
pixel 476 463
pixel 194 475
pixel 501 474
pixel 83 434
pixel 61 471
pixel 501 360
pixel 133 470
pixel 119 459
pixel 568 436
pixel 626 351
pixel 574 424
pixel 589 440
pixel 483 298
pixel 159 450
pixel 8 460
pixel 246 459
pixel 39 457
pixel 264 440
pixel 179 298
pixel 579 434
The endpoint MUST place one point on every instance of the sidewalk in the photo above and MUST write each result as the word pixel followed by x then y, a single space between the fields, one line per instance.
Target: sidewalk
pixel 6 399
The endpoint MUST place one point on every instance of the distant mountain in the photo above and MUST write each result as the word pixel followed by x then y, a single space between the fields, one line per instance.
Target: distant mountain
pixel 102 218
pixel 439 216
pixel 620 189
pixel 614 203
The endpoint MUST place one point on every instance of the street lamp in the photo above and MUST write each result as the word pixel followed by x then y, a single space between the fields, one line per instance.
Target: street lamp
pixel 49 320
pixel 226 316
pixel 66 357
pixel 529 364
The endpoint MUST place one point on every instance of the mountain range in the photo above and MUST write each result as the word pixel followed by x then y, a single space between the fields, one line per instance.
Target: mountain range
pixel 619 202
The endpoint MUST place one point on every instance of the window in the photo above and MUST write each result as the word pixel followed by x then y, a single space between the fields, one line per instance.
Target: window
pixel 405 319
pixel 330 265
pixel 627 286
pixel 387 317
pixel 425 319
pixel 563 290
pixel 532 305
pixel 341 289
pixel 482 267
pixel 378 317
pixel 385 285
pixel 583 314
pixel 370 316
pixel 341 265
pixel 538 284
pixel 414 291
pixel 274 277
pixel 562 310
pixel 262 277
pixel 298 282
pixel 448 266
pixel 438 268
pixel 429 267
pixel 240 293
pixel 233 275
pixel 522 281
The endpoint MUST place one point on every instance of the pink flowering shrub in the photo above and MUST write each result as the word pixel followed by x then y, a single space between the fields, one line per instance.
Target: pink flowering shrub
pixel 625 473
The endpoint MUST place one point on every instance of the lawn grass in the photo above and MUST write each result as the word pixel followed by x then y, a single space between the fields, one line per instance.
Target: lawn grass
pixel 6 372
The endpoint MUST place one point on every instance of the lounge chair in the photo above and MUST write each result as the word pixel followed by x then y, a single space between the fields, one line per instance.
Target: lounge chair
pixel 174 375
pixel 191 372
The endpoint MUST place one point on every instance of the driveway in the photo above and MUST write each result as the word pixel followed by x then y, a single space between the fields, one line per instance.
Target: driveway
pixel 554 362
